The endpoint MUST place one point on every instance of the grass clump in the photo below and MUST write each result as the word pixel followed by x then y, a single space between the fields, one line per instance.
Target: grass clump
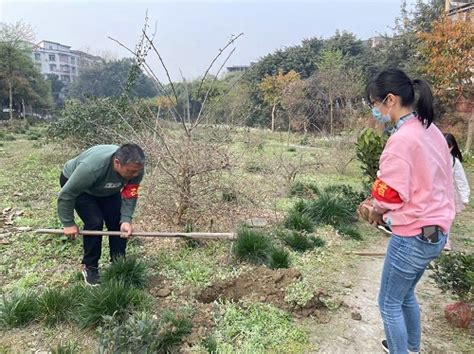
pixel 301 242
pixel 329 209
pixel 303 190
pixel 278 258
pixel 252 246
pixel 55 305
pixel 18 309
pixel 112 298
pixel 350 231
pixel 130 272
pixel 298 220
pixel 348 195
pixel 143 333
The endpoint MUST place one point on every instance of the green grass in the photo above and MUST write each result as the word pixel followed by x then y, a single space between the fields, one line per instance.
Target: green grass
pixel 111 299
pixel 127 271
pixel 350 231
pixel 303 189
pixel 257 328
pixel 278 258
pixel 301 242
pixel 252 246
pixel 55 306
pixel 19 309
pixel 143 333
pixel 298 220
pixel 329 209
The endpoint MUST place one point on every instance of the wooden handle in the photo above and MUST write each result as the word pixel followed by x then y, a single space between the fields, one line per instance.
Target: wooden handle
pixel 195 235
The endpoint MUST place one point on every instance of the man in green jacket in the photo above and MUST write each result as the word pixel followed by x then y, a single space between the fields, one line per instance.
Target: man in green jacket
pixel 101 184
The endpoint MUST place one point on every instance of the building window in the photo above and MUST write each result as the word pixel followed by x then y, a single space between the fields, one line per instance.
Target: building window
pixel 73 60
pixel 65 78
pixel 52 57
pixel 52 67
pixel 38 56
pixel 63 58
pixel 73 70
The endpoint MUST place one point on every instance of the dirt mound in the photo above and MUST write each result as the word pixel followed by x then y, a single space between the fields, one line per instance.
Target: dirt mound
pixel 264 285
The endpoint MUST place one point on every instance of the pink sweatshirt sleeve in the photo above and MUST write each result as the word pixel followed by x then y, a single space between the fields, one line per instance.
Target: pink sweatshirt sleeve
pixel 395 172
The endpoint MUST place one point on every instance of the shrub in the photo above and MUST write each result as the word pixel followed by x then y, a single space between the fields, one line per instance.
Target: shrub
pixel 369 147
pixel 279 258
pixel 128 271
pixel 19 309
pixel 454 272
pixel 252 246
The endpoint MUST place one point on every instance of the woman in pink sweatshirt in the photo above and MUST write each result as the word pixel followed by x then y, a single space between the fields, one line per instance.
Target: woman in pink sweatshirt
pixel 413 194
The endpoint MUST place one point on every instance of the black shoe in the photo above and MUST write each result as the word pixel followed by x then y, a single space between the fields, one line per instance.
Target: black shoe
pixel 91 276
pixel 385 345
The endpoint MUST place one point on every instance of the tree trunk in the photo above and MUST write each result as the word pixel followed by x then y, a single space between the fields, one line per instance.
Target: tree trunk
pixel 331 113
pixel 23 108
pixel 289 130
pixel 273 116
pixel 10 98
pixel 470 131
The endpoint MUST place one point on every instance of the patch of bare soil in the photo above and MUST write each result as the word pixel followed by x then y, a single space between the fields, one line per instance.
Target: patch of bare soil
pixel 263 285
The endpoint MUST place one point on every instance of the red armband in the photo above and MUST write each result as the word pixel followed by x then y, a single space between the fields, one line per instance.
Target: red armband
pixel 130 191
pixel 384 193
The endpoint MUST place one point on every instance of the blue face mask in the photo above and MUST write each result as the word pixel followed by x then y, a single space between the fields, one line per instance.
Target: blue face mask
pixel 379 117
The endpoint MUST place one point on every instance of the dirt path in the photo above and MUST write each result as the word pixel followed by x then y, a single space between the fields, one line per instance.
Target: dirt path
pixel 347 332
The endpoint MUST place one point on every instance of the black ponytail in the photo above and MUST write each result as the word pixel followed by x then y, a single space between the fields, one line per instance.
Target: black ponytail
pixel 424 105
pixel 396 82
pixel 452 143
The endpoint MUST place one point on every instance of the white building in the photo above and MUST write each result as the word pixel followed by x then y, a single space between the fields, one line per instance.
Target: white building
pixel 59 59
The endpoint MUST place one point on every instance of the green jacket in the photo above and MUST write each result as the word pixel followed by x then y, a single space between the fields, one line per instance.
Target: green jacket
pixel 92 172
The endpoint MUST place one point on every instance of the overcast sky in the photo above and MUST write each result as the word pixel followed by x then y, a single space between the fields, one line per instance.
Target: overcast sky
pixel 189 33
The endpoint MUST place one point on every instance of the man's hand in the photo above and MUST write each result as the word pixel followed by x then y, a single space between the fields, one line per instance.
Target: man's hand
pixel 71 231
pixel 375 219
pixel 126 230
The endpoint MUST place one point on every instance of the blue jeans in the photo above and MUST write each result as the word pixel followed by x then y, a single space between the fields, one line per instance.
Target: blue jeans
pixel 405 262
